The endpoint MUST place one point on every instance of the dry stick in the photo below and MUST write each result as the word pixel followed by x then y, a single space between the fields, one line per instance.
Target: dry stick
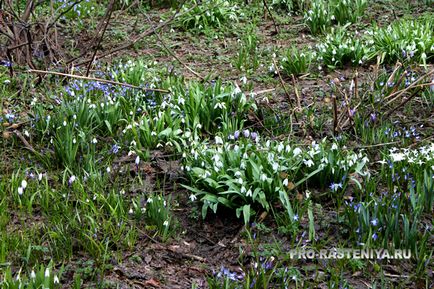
pixel 271 15
pixel 376 145
pixel 296 92
pixel 105 21
pixel 132 42
pixel 397 66
pixel 335 115
pixel 51 24
pixel 25 142
pixel 356 85
pixel 171 52
pixel 284 88
pixel 262 124
pixel 97 79
pixel 403 103
pixel 400 92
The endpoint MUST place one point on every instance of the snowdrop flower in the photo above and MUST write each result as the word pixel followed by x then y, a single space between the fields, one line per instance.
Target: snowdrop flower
pixel 20 191
pixel 264 177
pixel 137 161
pixel 40 176
pixel 56 280
pixel 249 193
pixel 94 141
pixel 33 275
pixel 193 197
pixel 23 184
pixel 218 140
pixel 308 163
pixel 71 180
pixel 243 79
pixel 166 223
pixel 275 167
pixel 108 170
pixel 296 151
pixel 334 147
pixel 47 273
pixel 285 182
pixel 131 211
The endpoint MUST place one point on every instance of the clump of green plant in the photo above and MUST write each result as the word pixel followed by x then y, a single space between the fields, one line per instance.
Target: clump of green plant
pixel 322 14
pixel 202 16
pixel 247 55
pixel 344 11
pixel 297 62
pixel 390 217
pixel 289 5
pixel 158 218
pixel 341 48
pixel 252 174
pixel 318 17
pixel 43 277
pixel 405 40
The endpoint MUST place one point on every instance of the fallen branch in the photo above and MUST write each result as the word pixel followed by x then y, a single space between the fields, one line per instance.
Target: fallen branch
pixel 97 79
pixel 171 52
pixel 284 88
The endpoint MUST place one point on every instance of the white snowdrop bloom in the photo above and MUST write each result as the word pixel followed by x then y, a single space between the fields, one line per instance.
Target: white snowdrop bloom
pixel 243 189
pixel 137 161
pixel 56 280
pixel 33 275
pixel 334 146
pixel 287 148
pixel 397 157
pixel 40 176
pixel 240 181
pixel 131 211
pixel 237 174
pixel 20 191
pixel 26 133
pixel 64 123
pixel 280 147
pixel 193 197
pixel 108 169
pixel 243 79
pixel 47 273
pixel 243 165
pixel 24 184
pixel 94 140
pixel 166 223
pixel 218 140
pixel 285 182
pixel 249 193
pixel 296 151
pixel 275 167
pixel 264 177
pixel 74 141
pixel 308 163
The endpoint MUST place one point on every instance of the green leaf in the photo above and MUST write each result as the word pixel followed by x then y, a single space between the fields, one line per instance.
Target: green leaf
pixel 246 213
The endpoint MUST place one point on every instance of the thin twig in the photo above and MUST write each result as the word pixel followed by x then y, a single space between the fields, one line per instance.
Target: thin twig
pixel 171 52
pixel 398 93
pixel 97 79
pixel 335 115
pixel 133 41
pixel 271 15
pixel 296 92
pixel 105 22
pixel 284 88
